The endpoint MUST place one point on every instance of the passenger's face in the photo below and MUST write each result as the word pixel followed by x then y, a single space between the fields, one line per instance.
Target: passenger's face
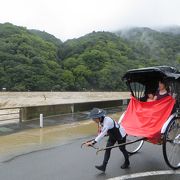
pixel 151 96
pixel 161 86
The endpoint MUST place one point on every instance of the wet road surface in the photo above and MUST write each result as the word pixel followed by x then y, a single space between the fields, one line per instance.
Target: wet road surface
pixel 54 153
pixel 69 161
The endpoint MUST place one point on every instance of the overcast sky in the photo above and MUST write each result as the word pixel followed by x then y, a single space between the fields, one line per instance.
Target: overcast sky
pixel 68 19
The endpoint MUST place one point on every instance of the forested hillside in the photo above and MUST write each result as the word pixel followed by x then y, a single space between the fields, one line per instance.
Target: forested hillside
pixel 27 62
pixel 37 61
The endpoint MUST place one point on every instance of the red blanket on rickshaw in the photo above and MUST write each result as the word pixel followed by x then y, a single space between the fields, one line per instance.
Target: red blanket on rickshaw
pixel 145 119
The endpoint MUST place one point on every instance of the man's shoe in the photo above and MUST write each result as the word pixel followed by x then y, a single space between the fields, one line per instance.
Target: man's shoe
pixel 101 168
pixel 125 165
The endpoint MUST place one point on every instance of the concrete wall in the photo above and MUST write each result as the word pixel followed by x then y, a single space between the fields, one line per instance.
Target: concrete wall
pixel 33 112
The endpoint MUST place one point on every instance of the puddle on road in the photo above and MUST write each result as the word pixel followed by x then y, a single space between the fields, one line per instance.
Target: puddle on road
pixel 33 139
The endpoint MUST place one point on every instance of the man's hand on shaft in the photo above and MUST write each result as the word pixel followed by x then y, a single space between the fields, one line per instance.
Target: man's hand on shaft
pixel 91 143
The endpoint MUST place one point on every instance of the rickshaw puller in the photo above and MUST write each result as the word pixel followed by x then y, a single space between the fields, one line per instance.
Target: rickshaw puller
pixel 116 134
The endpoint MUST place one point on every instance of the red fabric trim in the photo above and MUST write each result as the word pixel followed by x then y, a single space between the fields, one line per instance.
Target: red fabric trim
pixel 146 119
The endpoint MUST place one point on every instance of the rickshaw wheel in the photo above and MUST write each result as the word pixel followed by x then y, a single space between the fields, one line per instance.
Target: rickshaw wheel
pixel 135 147
pixel 171 144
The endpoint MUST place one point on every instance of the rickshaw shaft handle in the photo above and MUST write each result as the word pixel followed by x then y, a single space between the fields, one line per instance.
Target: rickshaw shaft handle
pixel 119 145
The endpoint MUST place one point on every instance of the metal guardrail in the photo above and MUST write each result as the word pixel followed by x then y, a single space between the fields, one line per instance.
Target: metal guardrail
pixel 9 114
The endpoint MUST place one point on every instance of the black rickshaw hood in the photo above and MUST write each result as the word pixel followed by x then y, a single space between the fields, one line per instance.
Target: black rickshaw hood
pixel 163 71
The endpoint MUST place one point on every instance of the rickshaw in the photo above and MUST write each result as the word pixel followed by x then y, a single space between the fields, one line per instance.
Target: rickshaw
pixel 157 122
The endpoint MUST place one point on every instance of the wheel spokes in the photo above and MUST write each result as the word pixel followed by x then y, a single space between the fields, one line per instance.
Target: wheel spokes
pixel 173 144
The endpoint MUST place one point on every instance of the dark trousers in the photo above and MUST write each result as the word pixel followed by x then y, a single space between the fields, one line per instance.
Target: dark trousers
pixel 111 142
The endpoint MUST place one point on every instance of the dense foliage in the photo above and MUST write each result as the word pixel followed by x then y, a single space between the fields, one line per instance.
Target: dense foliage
pixel 37 61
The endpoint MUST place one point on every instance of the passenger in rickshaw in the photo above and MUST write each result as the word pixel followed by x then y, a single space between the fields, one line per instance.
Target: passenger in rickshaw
pixel 150 96
pixel 162 91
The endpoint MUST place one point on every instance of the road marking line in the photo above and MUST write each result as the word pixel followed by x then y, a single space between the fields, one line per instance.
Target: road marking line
pixel 145 174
